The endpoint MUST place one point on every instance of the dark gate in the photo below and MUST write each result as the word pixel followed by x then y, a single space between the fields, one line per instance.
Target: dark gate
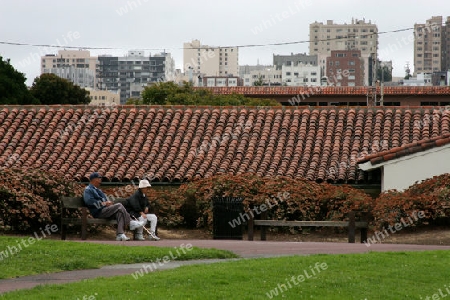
pixel 227 218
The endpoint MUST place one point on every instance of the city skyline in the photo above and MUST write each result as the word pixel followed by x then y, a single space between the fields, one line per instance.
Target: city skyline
pixel 155 27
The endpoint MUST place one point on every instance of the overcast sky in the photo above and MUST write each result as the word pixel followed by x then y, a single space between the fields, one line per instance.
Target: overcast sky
pixel 167 24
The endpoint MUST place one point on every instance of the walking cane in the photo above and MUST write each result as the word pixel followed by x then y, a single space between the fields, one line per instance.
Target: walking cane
pixel 148 231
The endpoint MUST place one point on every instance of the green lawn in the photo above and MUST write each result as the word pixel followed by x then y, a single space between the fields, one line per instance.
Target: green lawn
pixel 20 258
pixel 399 275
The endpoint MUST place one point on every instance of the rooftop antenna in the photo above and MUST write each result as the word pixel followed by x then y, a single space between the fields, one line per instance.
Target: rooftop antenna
pixel 407 71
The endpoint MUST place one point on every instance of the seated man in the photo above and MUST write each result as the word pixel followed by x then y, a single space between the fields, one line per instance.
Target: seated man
pixel 138 206
pixel 100 207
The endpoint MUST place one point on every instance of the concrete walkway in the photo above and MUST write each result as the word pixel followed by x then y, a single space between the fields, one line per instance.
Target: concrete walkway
pixel 245 249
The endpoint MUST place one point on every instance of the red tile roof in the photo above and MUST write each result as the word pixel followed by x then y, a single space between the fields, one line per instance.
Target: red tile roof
pixel 181 143
pixel 331 90
pixel 405 150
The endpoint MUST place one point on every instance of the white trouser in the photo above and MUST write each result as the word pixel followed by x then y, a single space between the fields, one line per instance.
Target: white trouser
pixel 153 221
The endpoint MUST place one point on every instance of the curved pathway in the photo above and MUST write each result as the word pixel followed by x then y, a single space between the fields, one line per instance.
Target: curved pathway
pixel 245 249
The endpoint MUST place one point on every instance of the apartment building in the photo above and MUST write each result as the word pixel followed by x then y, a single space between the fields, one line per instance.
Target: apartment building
pixel 77 66
pixel 103 98
pixel 221 81
pixel 209 60
pixel 359 35
pixel 300 75
pixel 447 45
pixel 345 68
pixel 268 77
pixel 246 69
pixel 432 46
pixel 294 60
pixel 129 75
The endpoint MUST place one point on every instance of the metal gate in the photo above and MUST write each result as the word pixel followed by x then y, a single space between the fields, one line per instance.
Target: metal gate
pixel 227 218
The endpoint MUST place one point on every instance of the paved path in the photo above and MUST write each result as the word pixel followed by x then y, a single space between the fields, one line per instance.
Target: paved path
pixel 246 249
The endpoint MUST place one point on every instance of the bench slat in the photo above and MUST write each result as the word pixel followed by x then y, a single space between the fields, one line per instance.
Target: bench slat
pixel 77 202
pixel 77 221
pixel 308 223
pixel 72 202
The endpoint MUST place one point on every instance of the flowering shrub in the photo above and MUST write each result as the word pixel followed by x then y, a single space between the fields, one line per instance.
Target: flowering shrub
pixel 289 199
pixel 432 196
pixel 30 198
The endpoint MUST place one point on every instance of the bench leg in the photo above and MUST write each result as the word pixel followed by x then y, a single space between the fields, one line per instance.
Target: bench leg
pixel 363 235
pixel 263 233
pixel 63 231
pixel 250 229
pixel 263 228
pixel 351 227
pixel 84 223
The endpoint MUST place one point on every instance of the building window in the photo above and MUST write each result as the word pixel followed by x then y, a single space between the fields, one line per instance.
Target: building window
pixel 351 63
pixel 288 73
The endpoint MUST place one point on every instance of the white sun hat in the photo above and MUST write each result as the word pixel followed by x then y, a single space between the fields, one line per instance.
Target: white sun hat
pixel 144 183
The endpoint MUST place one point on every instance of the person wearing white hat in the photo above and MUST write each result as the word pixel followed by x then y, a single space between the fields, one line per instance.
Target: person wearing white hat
pixel 138 206
pixel 101 207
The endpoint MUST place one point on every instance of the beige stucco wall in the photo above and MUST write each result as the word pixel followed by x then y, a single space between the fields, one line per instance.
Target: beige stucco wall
pixel 405 171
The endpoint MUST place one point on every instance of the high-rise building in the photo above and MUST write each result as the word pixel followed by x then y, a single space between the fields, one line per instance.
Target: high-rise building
pixel 430 46
pixel 130 74
pixel 359 35
pixel 77 66
pixel 210 61
pixel 446 37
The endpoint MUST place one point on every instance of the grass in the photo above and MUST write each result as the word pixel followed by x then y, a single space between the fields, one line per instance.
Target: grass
pixel 49 256
pixel 374 275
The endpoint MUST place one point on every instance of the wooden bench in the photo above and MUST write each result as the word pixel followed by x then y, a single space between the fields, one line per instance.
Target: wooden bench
pixel 352 225
pixel 68 203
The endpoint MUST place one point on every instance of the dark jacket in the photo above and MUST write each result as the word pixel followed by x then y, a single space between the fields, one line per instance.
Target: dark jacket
pixel 137 203
pixel 93 197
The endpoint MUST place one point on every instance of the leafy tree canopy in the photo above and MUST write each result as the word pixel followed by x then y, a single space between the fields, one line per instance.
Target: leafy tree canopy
pixel 169 93
pixel 13 89
pixel 51 89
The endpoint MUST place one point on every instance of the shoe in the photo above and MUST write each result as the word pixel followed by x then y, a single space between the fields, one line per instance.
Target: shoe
pixel 139 237
pixel 152 236
pixel 122 237
pixel 136 224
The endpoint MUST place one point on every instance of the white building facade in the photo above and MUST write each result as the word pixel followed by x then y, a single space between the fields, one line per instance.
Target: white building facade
pixel 210 60
pixel 301 75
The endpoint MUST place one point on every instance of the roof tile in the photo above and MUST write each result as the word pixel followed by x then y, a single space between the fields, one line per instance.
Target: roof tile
pixel 182 143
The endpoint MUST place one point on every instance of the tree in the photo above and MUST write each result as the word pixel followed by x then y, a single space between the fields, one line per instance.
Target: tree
pixel 13 89
pixel 158 92
pixel 169 93
pixel 384 73
pixel 51 89
pixel 259 81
